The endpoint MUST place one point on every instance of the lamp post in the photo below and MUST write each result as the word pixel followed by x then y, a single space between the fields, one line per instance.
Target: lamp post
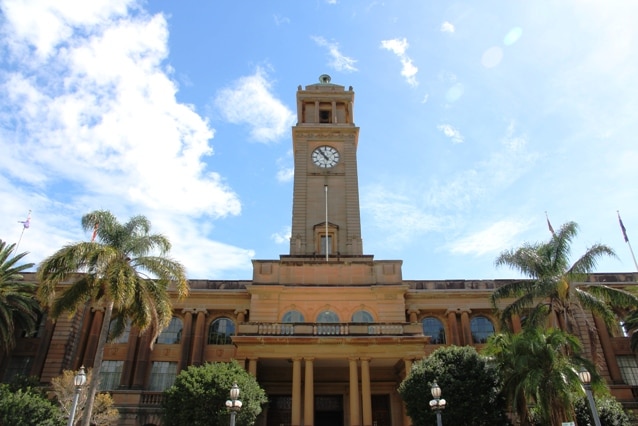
pixel 585 377
pixel 79 381
pixel 233 404
pixel 437 404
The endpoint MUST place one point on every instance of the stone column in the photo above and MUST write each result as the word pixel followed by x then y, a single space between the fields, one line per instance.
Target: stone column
pixel 465 326
pixel 608 350
pixel 127 369
pixel 141 364
pixel 186 338
pixel 309 394
pixel 412 313
pixel 366 393
pixel 355 411
pixel 87 318
pixel 407 421
pixel 296 392
pixel 199 337
pixel 94 336
pixel 316 119
pixel 241 315
pixel 334 112
pixel 252 366
pixel 453 327
pixel 516 323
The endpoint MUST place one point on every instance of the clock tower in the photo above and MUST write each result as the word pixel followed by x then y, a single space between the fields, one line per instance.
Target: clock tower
pixel 325 214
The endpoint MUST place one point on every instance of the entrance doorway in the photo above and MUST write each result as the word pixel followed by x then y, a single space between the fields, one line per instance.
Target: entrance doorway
pixel 279 410
pixel 381 410
pixel 329 410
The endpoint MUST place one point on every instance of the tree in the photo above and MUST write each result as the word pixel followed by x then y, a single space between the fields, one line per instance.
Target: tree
pixel 610 411
pixel 540 367
pixel 199 394
pixel 119 271
pixel 630 324
pixel 551 287
pixel 18 305
pixel 27 407
pixel 468 384
pixel 64 388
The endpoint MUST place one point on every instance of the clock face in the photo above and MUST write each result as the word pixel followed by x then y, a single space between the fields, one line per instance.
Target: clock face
pixel 325 156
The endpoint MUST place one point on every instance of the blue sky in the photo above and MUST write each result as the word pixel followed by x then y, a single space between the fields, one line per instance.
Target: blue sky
pixel 475 121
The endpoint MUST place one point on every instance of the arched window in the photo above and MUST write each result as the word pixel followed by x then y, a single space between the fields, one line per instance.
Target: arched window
pixel 362 316
pixel 434 328
pixel 221 331
pixel 123 337
pixel 482 328
pixel 327 316
pixel 172 334
pixel 292 316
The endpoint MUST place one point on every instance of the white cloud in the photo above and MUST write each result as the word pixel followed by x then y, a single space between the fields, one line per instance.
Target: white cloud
pixel 405 211
pixel 282 237
pixel 279 20
pixel 250 101
pixel 497 237
pixel 43 24
pixel 501 169
pixel 452 133
pixel 339 61
pixel 399 47
pixel 89 120
pixel 397 215
pixel 286 171
pixel 447 27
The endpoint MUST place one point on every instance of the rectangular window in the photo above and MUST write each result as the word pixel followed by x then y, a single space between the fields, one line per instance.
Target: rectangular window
pixel 628 369
pixel 326 244
pixel 162 375
pixel 110 375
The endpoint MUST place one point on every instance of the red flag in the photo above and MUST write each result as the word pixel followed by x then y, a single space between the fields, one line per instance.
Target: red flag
pixel 97 225
pixel 622 227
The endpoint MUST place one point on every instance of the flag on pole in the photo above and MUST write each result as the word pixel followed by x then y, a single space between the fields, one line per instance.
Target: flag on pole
pixel 622 227
pixel 549 225
pixel 95 227
pixel 26 223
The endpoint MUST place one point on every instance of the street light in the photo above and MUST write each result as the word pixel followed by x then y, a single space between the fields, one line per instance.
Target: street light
pixel 437 404
pixel 233 404
pixel 585 377
pixel 79 381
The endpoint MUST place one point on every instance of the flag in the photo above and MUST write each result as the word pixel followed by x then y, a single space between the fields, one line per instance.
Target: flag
pixel 26 223
pixel 95 227
pixel 549 225
pixel 622 227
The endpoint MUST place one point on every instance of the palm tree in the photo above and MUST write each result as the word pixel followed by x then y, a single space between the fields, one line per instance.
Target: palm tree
pixel 18 305
pixel 551 288
pixel 117 271
pixel 630 324
pixel 539 367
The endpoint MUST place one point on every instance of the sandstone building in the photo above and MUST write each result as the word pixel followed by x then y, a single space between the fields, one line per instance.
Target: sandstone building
pixel 327 330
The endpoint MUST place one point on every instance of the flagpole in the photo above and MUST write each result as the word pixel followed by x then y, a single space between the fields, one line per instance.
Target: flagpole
pixel 624 234
pixel 549 225
pixel 632 255
pixel 326 191
pixel 25 225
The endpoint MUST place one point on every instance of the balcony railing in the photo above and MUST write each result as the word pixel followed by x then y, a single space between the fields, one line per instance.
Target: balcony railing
pixel 151 398
pixel 329 329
